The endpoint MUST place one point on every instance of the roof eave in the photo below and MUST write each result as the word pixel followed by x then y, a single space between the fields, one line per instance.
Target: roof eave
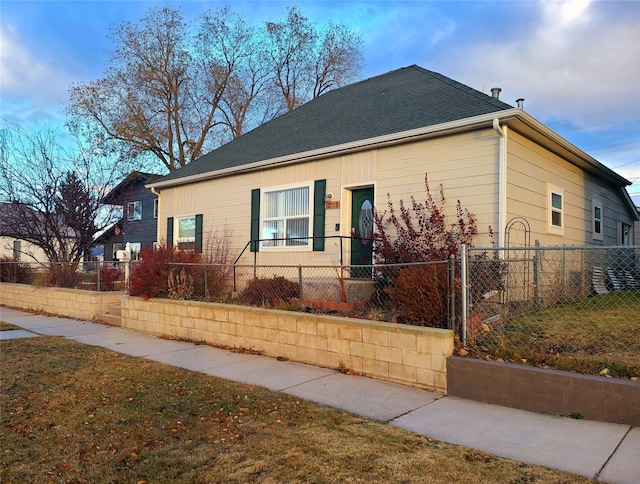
pixel 114 195
pixel 484 120
pixel 516 118
pixel 566 149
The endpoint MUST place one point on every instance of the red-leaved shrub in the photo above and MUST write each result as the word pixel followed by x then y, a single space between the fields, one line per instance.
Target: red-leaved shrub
pixel 418 293
pixel 150 276
pixel 418 232
pixel 109 276
pixel 269 293
pixel 421 232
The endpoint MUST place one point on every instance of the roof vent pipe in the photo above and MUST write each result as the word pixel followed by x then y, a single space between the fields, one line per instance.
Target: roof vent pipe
pixel 495 92
pixel 520 102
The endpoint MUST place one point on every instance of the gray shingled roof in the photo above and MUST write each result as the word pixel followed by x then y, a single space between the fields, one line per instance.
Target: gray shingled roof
pixel 401 100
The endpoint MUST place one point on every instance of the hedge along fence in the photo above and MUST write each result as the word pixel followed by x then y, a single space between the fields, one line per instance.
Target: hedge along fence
pixel 71 303
pixel 409 355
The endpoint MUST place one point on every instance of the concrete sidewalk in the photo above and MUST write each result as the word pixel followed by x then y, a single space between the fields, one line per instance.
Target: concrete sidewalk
pixel 602 451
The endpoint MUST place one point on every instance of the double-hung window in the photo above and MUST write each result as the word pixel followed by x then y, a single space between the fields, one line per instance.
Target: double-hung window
pixel 187 233
pixel 286 216
pixel 556 210
pixel 596 227
pixel 134 210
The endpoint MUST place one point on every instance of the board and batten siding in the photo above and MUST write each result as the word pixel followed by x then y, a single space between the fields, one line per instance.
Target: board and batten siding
pixel 531 169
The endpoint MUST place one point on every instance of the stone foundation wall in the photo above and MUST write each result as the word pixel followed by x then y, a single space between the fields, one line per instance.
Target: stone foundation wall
pixel 72 303
pixel 404 354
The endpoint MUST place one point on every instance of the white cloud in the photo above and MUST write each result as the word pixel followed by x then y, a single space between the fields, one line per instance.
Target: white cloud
pixel 564 11
pixel 31 83
pixel 577 61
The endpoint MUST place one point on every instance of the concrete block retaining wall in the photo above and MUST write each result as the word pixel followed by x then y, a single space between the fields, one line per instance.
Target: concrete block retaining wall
pixel 71 303
pixel 410 355
pixel 544 390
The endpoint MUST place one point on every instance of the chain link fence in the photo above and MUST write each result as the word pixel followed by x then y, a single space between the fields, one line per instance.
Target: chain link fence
pixel 568 308
pixel 91 276
pixel 418 294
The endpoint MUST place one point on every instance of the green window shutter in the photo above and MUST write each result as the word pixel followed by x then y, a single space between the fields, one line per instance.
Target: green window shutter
pixel 169 231
pixel 199 232
pixel 319 190
pixel 255 220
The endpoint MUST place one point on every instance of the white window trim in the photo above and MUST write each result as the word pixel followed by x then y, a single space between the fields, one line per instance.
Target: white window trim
pixel 155 207
pixel 176 229
pixel 554 229
pixel 129 217
pixel 595 203
pixel 288 248
pixel 628 239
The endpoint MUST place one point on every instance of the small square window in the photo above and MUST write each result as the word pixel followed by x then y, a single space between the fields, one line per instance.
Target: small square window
pixel 134 210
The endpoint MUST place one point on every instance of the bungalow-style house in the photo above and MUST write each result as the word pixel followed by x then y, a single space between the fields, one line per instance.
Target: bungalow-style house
pixel 139 223
pixel 287 188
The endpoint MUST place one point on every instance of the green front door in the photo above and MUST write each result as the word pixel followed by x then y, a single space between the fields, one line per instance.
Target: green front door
pixel 362 231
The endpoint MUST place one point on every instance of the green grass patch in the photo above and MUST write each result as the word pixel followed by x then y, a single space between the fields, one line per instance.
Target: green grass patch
pixel 77 413
pixel 590 336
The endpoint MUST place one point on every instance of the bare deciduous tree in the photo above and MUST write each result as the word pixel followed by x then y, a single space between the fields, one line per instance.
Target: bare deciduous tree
pixel 306 61
pixel 175 90
pixel 150 101
pixel 51 195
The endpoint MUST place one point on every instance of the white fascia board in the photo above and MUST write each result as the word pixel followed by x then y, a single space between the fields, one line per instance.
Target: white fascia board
pixel 437 129
pixel 484 120
pixel 554 137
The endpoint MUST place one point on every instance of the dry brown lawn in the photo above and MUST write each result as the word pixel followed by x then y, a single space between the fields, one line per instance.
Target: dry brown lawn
pixel 83 414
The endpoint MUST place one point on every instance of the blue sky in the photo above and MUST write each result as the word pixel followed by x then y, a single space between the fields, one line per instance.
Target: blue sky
pixel 576 63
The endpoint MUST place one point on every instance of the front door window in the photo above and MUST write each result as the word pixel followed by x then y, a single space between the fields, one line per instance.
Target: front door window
pixel 366 220
pixel 361 232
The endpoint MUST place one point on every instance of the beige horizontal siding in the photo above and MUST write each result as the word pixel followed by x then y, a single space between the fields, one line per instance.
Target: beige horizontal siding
pixel 466 164
pixel 530 168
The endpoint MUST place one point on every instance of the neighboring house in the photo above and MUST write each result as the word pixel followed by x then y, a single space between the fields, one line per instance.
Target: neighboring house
pixel 139 223
pixel 14 247
pixel 20 250
pixel 319 170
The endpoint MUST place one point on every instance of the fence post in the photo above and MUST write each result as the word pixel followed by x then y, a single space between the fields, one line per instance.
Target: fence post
pixel 300 283
pixel 235 281
pixel 536 282
pixel 452 291
pixel 464 296
pixel 206 285
pixel 99 275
